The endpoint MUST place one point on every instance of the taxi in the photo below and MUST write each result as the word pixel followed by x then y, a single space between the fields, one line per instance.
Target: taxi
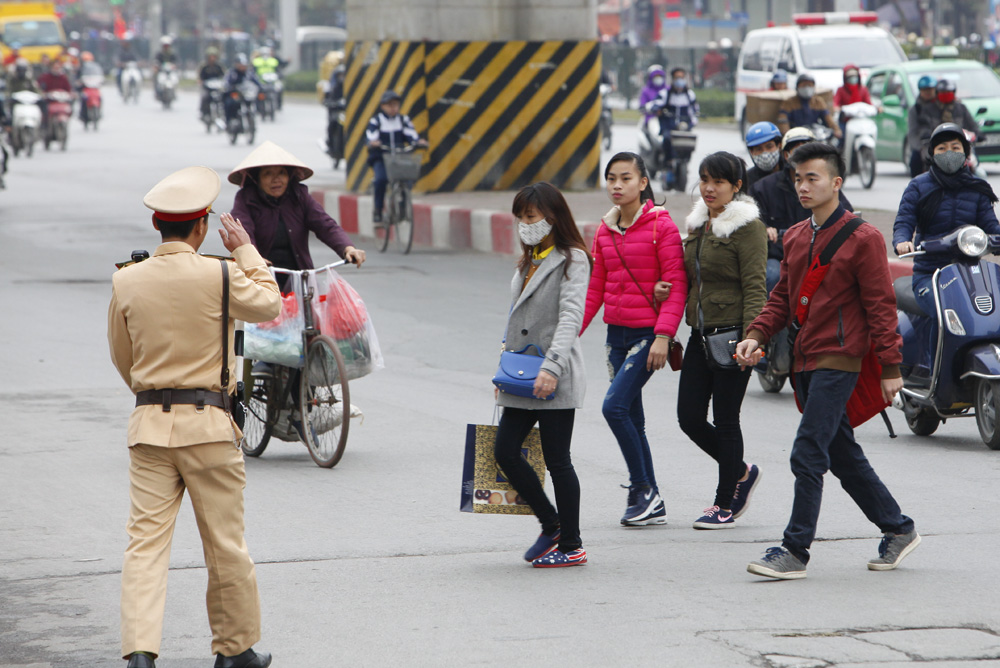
pixel 894 88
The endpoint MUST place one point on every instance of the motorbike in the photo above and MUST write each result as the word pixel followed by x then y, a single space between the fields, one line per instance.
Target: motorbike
pixel 91 79
pixel 336 111
pixel 166 84
pixel 216 117
pixel 60 106
pixel 684 142
pixel 605 117
pixel 964 379
pixel 973 160
pixel 267 102
pixel 860 135
pixel 26 121
pixel 650 144
pixel 244 122
pixel 131 81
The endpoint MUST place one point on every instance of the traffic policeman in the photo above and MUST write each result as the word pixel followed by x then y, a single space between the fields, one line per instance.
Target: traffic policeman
pixel 165 333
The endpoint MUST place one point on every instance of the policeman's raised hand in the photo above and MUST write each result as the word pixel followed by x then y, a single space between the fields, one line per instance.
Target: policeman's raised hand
pixel 232 233
pixel 662 290
pixel 355 256
pixel 748 353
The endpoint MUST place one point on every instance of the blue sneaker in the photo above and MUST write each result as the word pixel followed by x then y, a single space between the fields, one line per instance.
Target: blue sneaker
pixel 644 507
pixel 715 518
pixel 559 559
pixel 545 544
pixel 744 490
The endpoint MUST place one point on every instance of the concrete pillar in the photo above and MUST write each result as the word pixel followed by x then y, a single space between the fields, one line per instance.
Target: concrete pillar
pixel 288 22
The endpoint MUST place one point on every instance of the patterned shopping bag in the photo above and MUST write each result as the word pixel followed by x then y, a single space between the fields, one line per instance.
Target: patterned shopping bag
pixel 484 486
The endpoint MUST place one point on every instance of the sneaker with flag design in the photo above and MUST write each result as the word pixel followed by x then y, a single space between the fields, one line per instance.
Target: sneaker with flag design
pixel 560 559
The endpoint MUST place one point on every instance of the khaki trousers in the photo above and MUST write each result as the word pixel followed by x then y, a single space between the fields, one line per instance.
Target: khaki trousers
pixel 214 477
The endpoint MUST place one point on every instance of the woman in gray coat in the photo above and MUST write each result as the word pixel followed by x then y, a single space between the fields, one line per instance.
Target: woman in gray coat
pixel 547 300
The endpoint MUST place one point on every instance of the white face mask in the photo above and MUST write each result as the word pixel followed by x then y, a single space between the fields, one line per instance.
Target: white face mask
pixel 533 233
pixel 657 81
pixel 766 161
pixel 806 92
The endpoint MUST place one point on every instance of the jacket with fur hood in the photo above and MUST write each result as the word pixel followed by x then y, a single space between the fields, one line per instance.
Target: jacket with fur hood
pixel 651 248
pixel 733 258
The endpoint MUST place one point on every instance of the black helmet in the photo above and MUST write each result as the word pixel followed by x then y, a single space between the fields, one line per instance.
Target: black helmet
pixel 805 76
pixel 946 132
pixel 389 96
pixel 945 86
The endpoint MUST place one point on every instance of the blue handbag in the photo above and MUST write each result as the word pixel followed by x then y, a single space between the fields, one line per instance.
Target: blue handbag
pixel 517 373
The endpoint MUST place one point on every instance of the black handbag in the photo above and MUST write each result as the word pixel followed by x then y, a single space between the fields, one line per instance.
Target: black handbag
pixel 234 404
pixel 720 343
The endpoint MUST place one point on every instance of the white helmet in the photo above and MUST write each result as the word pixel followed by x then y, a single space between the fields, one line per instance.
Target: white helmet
pixel 166 40
pixel 726 43
pixel 265 51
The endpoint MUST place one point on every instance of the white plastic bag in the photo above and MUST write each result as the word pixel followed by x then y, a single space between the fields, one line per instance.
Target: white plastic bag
pixel 278 341
pixel 341 315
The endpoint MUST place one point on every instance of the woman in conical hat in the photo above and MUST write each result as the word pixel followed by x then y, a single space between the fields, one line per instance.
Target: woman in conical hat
pixel 278 213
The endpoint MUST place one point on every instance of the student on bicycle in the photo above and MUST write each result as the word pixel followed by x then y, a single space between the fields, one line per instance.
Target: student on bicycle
pixel 547 298
pixel 636 245
pixel 278 212
pixel 387 130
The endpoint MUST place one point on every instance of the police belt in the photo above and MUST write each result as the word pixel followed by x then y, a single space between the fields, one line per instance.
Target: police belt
pixel 167 398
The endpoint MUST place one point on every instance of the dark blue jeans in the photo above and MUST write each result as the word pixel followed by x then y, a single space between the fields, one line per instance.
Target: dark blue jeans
pixel 627 350
pixel 380 182
pixel 825 442
pixel 926 329
pixel 773 273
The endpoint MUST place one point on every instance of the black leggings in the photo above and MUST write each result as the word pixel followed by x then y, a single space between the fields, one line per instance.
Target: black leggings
pixel 556 430
pixel 723 441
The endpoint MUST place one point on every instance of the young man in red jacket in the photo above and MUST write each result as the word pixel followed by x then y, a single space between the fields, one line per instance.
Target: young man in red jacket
pixel 853 307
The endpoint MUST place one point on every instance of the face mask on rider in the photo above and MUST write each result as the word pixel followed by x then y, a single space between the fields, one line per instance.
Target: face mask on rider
pixel 680 83
pixel 657 81
pixel 806 92
pixel 766 161
pixel 949 162
pixel 946 97
pixel 533 233
pixel 852 79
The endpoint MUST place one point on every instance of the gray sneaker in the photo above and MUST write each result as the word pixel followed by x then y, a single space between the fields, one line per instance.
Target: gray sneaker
pixel 778 563
pixel 893 549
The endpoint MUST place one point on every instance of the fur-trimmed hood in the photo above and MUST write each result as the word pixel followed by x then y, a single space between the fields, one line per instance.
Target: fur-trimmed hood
pixel 742 210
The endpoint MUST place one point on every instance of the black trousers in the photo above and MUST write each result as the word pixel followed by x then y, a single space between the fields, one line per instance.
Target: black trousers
pixel 556 429
pixel 723 440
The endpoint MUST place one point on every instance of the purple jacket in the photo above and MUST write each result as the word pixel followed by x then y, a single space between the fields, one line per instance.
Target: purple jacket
pixel 298 211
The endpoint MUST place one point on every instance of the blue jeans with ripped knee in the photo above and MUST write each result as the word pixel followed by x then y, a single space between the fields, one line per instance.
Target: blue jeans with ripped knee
pixel 627 350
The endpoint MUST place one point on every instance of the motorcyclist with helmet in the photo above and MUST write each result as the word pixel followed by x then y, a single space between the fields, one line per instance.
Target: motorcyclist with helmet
pixel 163 56
pixel 19 78
pixel 125 56
pixel 210 69
pixel 806 109
pixel 238 73
pixel 933 205
pixel 920 122
pixel 763 141
pixel 778 201
pixel 678 104
pixel 53 80
pixel 265 62
pixel 779 80
pixel 948 109
pixel 656 82
pixel 388 128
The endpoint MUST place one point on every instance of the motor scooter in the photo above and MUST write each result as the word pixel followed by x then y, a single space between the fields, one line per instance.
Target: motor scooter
pixel 215 118
pixel 683 142
pixel 26 121
pixel 860 135
pixel 649 140
pixel 336 111
pixel 268 103
pixel 131 81
pixel 60 110
pixel 91 79
pixel 964 380
pixel 973 160
pixel 166 84
pixel 244 122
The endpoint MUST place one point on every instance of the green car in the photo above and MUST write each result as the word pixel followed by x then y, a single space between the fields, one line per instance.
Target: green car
pixel 894 88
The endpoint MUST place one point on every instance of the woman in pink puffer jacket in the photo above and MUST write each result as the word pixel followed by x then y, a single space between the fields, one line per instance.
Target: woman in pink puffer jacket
pixel 637 245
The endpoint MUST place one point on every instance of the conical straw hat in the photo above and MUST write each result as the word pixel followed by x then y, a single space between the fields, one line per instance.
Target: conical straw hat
pixel 266 155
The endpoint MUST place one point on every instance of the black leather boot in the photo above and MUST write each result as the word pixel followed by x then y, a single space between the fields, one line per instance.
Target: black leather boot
pixel 248 659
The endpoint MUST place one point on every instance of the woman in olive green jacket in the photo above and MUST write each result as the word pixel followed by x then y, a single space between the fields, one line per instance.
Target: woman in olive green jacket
pixel 725 254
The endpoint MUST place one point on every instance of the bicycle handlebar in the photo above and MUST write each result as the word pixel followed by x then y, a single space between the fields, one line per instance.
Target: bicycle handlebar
pixel 299 272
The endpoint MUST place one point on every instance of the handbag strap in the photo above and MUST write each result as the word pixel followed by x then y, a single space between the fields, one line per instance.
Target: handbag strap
pixel 225 335
pixel 631 275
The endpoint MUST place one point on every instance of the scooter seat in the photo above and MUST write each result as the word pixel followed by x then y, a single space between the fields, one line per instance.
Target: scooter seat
pixel 905 300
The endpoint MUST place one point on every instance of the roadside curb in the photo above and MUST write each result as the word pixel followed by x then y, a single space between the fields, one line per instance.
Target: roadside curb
pixel 436 226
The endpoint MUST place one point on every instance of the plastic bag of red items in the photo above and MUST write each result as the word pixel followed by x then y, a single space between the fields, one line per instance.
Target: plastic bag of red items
pixel 341 315
pixel 277 341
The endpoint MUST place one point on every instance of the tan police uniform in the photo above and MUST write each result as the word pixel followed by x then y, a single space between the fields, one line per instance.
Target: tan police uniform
pixel 165 331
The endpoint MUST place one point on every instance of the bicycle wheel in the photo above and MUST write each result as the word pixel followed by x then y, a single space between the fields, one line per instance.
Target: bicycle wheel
pixel 325 401
pixel 257 429
pixel 404 218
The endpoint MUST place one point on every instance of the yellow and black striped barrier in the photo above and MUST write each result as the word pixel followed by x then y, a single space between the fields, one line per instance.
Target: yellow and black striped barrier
pixel 497 115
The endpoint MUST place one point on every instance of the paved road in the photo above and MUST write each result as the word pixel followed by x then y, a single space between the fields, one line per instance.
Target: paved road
pixel 371 564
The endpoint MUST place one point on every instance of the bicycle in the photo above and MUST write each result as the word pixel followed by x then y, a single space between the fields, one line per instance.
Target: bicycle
pixel 319 412
pixel 402 167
